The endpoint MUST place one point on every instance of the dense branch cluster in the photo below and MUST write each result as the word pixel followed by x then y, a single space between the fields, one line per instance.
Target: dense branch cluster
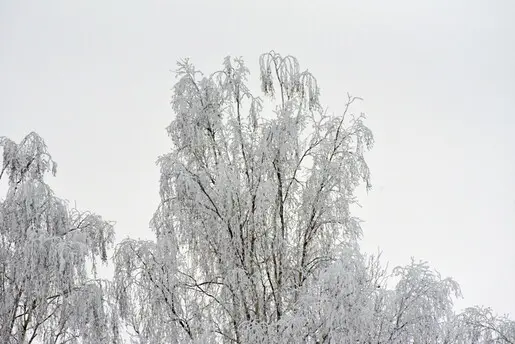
pixel 255 241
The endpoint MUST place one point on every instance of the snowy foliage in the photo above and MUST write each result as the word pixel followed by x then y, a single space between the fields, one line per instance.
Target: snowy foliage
pixel 46 292
pixel 255 241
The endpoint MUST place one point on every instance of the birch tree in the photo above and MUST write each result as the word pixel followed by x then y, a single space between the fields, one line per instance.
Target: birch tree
pixel 252 204
pixel 47 294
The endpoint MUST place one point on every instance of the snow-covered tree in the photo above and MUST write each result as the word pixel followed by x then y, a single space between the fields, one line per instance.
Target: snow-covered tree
pixel 47 292
pixel 481 325
pixel 417 310
pixel 252 206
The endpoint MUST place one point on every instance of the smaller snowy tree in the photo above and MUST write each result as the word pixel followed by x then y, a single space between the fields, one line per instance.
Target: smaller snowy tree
pixel 47 293
pixel 417 309
pixel 481 325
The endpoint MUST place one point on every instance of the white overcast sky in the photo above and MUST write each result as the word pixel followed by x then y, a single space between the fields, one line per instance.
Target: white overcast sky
pixel 438 79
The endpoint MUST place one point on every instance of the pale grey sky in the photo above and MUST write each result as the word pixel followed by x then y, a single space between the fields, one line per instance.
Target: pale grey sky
pixel 438 78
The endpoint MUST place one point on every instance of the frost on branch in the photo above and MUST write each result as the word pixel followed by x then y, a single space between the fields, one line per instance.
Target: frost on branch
pixel 27 160
pixel 46 292
pixel 292 82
